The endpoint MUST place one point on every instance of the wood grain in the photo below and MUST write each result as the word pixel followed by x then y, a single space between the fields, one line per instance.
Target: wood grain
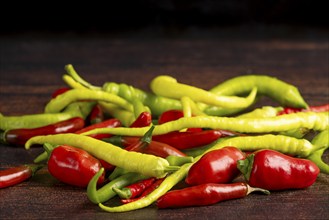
pixel 32 66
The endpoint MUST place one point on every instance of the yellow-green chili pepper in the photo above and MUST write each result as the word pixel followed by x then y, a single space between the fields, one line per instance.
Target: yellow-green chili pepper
pixel 73 95
pixel 124 116
pixel 263 112
pixel 310 120
pixel 169 87
pixel 285 93
pixel 145 164
pixel 77 109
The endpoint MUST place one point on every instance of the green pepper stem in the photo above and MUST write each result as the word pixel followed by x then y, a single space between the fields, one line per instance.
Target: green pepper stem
pixel 123 193
pixel 245 166
pixel 147 138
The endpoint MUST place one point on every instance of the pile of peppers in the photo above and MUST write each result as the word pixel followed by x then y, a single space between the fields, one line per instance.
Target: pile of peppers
pixel 118 141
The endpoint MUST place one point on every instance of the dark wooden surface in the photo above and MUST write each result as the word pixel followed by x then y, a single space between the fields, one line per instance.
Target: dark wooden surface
pixel 31 67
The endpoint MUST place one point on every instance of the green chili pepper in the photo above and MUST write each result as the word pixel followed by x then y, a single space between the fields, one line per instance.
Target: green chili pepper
pixel 62 100
pixel 321 141
pixel 105 192
pixel 71 71
pixel 157 104
pixel 179 161
pixel 309 120
pixel 145 164
pixel 169 87
pixel 263 112
pixel 72 83
pixel 78 109
pixel 285 93
pixel 124 116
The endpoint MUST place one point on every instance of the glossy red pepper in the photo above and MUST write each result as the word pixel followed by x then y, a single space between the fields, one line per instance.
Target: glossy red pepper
pixel 146 192
pixel 19 137
pixel 205 194
pixel 143 120
pixel 320 108
pixel 217 166
pixel 96 115
pixel 135 189
pixel 73 166
pixel 187 140
pixel 273 170
pixel 59 91
pixel 109 123
pixel 16 175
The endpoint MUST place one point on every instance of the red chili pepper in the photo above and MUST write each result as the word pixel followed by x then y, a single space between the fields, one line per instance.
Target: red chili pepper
pixel 205 194
pixel 16 175
pixel 96 115
pixel 217 166
pixel 154 147
pixel 187 140
pixel 320 108
pixel 109 123
pixel 20 136
pixel 135 189
pixel 73 166
pixel 146 192
pixel 273 170
pixel 172 115
pixel 143 120
pixel 59 91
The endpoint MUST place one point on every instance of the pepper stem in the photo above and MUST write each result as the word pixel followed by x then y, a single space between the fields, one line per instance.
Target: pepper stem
pixel 147 138
pixel 256 189
pixel 245 166
pixel 123 193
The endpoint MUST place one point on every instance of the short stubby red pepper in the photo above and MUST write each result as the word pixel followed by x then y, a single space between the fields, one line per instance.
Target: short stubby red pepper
pixel 73 166
pixel 205 194
pixel 19 136
pixel 187 140
pixel 217 166
pixel 109 123
pixel 15 175
pixel 273 170
pixel 319 108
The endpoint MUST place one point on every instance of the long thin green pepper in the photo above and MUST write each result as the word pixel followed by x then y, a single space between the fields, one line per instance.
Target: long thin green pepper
pixel 168 86
pixel 73 95
pixel 310 120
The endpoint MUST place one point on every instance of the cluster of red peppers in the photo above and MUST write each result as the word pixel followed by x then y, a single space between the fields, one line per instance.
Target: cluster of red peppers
pixel 210 180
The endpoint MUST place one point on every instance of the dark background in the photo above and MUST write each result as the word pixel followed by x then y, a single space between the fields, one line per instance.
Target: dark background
pixel 171 16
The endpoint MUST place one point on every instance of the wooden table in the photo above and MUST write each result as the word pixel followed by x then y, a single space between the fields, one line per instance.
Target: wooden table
pixel 32 66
